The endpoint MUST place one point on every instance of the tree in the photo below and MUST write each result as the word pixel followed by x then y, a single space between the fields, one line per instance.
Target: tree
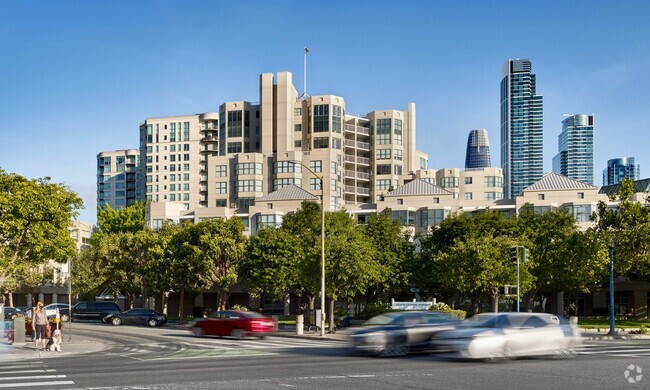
pixel 394 252
pixel 351 260
pixel 270 263
pixel 32 278
pixel 34 218
pixel 122 220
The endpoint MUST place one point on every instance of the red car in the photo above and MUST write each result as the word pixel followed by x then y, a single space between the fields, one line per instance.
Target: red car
pixel 237 324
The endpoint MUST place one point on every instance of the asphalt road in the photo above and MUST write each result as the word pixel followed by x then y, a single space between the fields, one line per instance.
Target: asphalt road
pixel 145 358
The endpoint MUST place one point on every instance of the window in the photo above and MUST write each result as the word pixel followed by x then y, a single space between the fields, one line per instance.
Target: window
pixel 186 147
pixel 186 196
pixel 248 186
pixel 172 148
pixel 398 131
pixel 432 217
pixel 540 196
pixel 321 143
pixel 222 187
pixel 314 184
pixel 383 131
pixel 449 182
pixel 186 186
pixel 186 131
pixel 186 167
pixel 234 125
pixel 581 195
pixel 398 154
pixel 383 184
pixel 493 181
pixel 172 187
pixel 287 167
pixel 492 195
pixel 468 196
pixel 297 144
pixel 221 171
pixel 582 213
pixel 249 168
pixel 172 177
pixel 269 220
pixel 280 183
pixel 297 112
pixel 172 158
pixel 397 170
pixel 406 217
pixel 336 143
pixel 468 180
pixel 297 128
pixel 222 203
pixel 172 197
pixel 321 118
pixel 384 154
pixel 316 165
pixel 383 169
pixel 234 147
pixel 336 119
pixel 186 176
pixel 436 200
pixel 186 157
pixel 400 201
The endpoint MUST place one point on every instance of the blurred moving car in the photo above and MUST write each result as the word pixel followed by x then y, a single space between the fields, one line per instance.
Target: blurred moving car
pixel 510 335
pixel 398 333
pixel 237 324
pixel 137 317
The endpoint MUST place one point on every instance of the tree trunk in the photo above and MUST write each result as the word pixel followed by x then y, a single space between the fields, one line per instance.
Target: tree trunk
pixel 529 298
pixel 312 310
pixel 180 307
pixel 474 305
pixel 331 318
pixel 145 304
pixel 11 299
pixel 494 295
pixel 165 302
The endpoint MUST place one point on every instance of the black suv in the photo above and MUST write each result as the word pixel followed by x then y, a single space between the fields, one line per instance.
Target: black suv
pixel 91 311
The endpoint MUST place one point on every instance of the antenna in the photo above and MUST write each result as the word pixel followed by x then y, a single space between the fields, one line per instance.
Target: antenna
pixel 304 75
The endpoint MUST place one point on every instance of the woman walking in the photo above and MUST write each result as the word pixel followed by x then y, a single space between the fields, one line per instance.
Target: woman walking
pixel 39 325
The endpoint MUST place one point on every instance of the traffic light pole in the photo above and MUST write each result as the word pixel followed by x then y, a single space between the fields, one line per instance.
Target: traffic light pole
pixel 518 279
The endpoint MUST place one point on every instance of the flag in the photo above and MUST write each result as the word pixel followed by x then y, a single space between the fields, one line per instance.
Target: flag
pixel 306 49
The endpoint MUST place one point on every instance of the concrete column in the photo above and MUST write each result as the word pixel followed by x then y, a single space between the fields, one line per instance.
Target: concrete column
pixel 300 324
pixel 560 303
pixel 287 304
pixel 41 297
pixel 55 298
pixel 29 300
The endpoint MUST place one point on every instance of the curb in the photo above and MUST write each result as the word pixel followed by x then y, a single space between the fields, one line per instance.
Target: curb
pixel 328 336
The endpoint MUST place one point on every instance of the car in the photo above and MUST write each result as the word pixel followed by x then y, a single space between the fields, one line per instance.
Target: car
pixel 237 324
pixel 137 317
pixel 12 312
pixel 90 311
pixel 510 335
pixel 399 333
pixel 50 310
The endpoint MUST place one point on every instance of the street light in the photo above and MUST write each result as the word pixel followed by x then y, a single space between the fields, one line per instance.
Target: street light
pixel 612 331
pixel 322 245
pixel 514 255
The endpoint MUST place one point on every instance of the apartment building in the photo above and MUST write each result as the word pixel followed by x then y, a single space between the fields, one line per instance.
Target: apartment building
pixel 119 180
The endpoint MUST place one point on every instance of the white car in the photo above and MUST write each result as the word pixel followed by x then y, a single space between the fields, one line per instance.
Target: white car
pixel 510 335
pixel 50 310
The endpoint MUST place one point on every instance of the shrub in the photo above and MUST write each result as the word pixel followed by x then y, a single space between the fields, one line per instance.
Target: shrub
pixel 443 307
pixel 373 309
pixel 240 308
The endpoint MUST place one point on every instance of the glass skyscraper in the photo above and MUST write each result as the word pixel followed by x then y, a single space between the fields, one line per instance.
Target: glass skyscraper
pixel 521 128
pixel 620 168
pixel 478 150
pixel 575 158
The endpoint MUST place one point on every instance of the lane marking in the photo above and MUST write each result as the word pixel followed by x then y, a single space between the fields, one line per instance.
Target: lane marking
pixel 25 384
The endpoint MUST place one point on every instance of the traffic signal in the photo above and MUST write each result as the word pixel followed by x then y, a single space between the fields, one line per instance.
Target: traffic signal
pixel 514 253
pixel 525 254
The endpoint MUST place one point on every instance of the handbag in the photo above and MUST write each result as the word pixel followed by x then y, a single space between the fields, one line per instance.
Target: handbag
pixel 48 330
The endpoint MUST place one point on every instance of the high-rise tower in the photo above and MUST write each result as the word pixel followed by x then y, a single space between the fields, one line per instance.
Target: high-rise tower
pixel 575 157
pixel 620 168
pixel 521 127
pixel 478 150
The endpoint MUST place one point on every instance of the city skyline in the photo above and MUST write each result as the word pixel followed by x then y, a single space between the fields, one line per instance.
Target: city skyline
pixel 79 85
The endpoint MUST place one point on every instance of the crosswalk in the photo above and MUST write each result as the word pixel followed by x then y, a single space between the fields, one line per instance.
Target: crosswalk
pixel 217 348
pixel 32 375
pixel 616 350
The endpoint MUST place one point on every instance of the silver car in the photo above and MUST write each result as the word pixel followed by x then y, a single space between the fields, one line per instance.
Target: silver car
pixel 510 335
pixel 398 333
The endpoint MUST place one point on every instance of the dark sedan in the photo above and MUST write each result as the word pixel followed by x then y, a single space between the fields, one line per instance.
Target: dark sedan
pixel 137 317
pixel 12 312
pixel 398 333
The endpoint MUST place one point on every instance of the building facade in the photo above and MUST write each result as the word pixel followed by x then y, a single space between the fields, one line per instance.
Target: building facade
pixel 575 158
pixel 119 179
pixel 619 169
pixel 478 150
pixel 521 127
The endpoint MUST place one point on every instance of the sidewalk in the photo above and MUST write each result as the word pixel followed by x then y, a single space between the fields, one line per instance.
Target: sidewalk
pixel 25 351
pixel 593 334
pixel 341 335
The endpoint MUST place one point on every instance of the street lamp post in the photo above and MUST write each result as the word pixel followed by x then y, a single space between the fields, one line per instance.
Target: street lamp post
pixel 612 331
pixel 322 245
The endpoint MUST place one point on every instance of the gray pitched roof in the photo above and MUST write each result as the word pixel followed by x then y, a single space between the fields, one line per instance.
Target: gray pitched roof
pixel 418 187
pixel 639 186
pixel 290 192
pixel 554 181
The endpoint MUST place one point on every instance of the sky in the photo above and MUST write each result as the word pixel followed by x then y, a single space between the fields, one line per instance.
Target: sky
pixel 79 77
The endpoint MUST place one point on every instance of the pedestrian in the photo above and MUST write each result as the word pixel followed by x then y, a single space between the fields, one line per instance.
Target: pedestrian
pixel 39 326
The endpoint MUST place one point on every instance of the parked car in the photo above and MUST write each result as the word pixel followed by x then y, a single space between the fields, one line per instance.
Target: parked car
pixel 90 311
pixel 510 335
pixel 398 333
pixel 12 312
pixel 137 317
pixel 50 310
pixel 237 324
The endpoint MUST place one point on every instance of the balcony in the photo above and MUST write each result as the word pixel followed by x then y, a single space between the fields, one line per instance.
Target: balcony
pixel 357 190
pixel 357 129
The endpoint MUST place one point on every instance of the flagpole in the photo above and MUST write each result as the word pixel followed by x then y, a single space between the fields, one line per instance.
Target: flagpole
pixel 304 73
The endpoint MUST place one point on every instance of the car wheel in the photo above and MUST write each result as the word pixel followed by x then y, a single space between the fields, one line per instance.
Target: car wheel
pixel 152 322
pixel 65 317
pixel 237 333
pixel 198 331
pixel 116 321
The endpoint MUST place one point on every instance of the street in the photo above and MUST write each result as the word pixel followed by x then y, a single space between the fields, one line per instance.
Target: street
pixel 169 358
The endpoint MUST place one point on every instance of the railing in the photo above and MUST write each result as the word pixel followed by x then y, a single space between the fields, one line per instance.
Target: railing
pixel 362 190
pixel 350 189
pixel 363 130
pixel 350 143
pixel 350 159
pixel 350 127
pixel 363 160
pixel 363 175
pixel 349 173
pixel 363 145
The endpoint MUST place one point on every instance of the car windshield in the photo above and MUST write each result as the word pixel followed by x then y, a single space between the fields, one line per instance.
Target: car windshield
pixel 385 319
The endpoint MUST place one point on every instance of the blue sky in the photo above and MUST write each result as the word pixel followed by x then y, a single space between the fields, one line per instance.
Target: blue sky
pixel 78 77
